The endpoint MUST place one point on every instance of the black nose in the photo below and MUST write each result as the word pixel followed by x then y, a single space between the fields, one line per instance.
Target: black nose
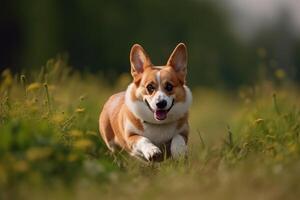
pixel 161 104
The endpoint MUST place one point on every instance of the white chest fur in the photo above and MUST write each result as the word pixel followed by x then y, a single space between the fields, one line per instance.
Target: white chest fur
pixel 159 133
pixel 156 133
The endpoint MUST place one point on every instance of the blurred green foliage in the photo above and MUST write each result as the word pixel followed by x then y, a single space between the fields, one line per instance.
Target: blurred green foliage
pixel 98 35
pixel 41 138
pixel 50 144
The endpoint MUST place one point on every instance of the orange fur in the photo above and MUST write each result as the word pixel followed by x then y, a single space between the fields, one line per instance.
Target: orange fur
pixel 120 126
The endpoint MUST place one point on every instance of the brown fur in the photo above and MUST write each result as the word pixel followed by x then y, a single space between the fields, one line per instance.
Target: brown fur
pixel 115 112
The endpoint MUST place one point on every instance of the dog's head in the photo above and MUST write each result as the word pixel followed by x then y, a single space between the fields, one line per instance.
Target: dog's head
pixel 159 92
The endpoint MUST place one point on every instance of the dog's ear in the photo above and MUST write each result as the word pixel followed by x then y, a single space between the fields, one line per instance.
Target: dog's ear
pixel 139 61
pixel 178 60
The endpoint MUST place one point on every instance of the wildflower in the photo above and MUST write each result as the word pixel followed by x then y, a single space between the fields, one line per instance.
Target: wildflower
pixel 83 144
pixel 8 79
pixel 58 118
pixel 37 153
pixel 21 166
pixel 80 110
pixel 280 74
pixel 292 148
pixel 259 121
pixel 34 86
pixel 75 133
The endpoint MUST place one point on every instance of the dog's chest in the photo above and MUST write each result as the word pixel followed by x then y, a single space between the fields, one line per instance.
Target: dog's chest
pixel 159 133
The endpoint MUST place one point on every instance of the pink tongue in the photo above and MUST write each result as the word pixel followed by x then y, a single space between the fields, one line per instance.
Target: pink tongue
pixel 160 114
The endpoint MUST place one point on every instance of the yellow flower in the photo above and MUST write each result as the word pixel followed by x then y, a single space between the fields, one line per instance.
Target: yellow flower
pixel 58 118
pixel 37 153
pixel 34 86
pixel 83 144
pixel 80 110
pixel 20 166
pixel 8 79
pixel 280 73
pixel 75 133
pixel 292 148
pixel 259 121
pixel 72 157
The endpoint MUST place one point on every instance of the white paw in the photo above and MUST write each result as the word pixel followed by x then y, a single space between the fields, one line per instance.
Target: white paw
pixel 178 147
pixel 148 150
pixel 151 152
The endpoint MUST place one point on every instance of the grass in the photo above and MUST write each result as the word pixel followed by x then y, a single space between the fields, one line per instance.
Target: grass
pixel 243 145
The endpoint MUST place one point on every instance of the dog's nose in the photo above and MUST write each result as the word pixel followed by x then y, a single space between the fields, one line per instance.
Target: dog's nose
pixel 161 104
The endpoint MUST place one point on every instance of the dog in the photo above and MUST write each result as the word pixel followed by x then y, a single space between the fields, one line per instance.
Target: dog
pixel 150 119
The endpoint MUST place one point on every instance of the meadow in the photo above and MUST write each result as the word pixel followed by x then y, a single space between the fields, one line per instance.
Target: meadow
pixel 244 144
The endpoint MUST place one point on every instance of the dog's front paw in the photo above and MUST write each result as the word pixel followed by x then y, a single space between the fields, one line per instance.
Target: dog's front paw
pixel 151 152
pixel 143 148
pixel 178 147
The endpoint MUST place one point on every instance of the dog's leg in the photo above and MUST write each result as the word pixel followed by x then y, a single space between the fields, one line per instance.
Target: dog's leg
pixel 106 131
pixel 143 147
pixel 178 147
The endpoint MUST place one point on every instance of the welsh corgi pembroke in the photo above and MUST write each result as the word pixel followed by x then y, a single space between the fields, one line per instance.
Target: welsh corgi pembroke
pixel 150 119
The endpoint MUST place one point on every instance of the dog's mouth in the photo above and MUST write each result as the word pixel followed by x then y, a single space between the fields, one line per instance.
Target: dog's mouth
pixel 160 114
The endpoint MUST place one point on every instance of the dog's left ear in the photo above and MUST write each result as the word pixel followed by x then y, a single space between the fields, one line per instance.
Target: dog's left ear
pixel 178 60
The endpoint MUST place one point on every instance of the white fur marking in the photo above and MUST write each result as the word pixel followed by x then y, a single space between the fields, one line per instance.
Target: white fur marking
pixel 159 95
pixel 178 147
pixel 158 79
pixel 141 110
pixel 156 133
pixel 144 147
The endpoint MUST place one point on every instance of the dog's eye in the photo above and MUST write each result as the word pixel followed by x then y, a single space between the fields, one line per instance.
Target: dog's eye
pixel 169 87
pixel 150 88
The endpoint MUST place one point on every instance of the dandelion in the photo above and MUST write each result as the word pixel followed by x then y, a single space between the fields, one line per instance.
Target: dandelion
pixel 34 86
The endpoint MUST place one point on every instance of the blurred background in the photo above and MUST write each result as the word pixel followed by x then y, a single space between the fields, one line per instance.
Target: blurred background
pixel 230 42
pixel 60 60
